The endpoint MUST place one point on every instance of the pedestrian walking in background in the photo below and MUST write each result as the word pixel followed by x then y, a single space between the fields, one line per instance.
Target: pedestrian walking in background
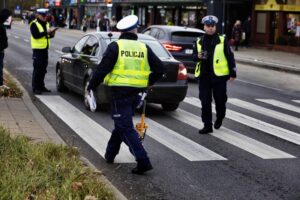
pixel 127 74
pixel 103 23
pixel 40 43
pixel 84 24
pixel 215 66
pixel 113 24
pixel 4 14
pixel 247 30
pixel 237 34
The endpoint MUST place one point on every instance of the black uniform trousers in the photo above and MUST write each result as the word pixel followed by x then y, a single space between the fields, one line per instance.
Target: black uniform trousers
pixel 216 87
pixel 122 111
pixel 40 63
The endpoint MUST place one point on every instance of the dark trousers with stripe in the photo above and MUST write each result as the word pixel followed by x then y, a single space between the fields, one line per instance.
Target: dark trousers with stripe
pixel 40 63
pixel 122 111
pixel 215 87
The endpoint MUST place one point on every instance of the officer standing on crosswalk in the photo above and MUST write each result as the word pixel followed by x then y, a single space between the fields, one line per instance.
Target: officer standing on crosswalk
pixel 215 66
pixel 128 67
pixel 40 43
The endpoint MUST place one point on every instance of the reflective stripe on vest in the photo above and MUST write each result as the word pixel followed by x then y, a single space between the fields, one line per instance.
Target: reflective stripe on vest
pixel 221 67
pixel 132 68
pixel 40 43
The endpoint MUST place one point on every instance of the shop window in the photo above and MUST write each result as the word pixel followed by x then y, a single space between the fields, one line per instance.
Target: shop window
pixel 292 23
pixel 261 22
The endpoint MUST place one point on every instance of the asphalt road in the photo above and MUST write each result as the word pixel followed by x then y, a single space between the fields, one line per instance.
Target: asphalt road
pixel 256 155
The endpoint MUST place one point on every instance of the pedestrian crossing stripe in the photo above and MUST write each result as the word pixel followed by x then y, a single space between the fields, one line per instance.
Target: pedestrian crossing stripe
pixel 97 136
pixel 90 131
pixel 178 143
pixel 265 111
pixel 253 123
pixel 281 105
pixel 241 141
pixel 297 101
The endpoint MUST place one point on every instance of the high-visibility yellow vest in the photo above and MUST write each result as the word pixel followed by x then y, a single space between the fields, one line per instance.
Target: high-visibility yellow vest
pixel 220 63
pixel 42 42
pixel 132 68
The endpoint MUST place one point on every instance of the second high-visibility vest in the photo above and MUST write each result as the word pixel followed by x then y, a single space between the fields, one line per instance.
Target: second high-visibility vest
pixel 43 42
pixel 132 68
pixel 220 63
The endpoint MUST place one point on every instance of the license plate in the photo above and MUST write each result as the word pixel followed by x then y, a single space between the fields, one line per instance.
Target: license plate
pixel 189 51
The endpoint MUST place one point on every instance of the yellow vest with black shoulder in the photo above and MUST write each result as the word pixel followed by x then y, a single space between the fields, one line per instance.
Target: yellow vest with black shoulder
pixel 132 68
pixel 40 43
pixel 220 63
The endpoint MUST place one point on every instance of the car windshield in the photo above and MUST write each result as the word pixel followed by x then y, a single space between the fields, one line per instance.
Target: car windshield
pixel 156 47
pixel 184 36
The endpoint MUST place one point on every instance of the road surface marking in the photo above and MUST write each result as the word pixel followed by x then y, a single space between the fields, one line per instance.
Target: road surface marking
pixel 25 40
pixel 265 111
pixel 297 101
pixel 16 37
pixel 241 141
pixel 178 143
pixel 281 105
pixel 90 131
pixel 254 123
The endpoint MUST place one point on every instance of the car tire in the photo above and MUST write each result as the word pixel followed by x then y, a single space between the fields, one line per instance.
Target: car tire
pixel 170 106
pixel 59 81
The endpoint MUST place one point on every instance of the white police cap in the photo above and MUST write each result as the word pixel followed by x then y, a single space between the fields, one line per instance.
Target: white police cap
pixel 210 20
pixel 127 23
pixel 42 11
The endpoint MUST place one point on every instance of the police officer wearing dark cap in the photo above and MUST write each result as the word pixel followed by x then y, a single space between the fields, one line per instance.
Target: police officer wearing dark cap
pixel 215 66
pixel 40 43
pixel 128 67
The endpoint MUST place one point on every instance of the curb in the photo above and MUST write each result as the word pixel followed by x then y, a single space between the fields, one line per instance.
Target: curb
pixel 269 65
pixel 55 138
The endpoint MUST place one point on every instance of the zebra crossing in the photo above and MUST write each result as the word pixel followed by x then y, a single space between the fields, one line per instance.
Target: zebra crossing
pixel 97 136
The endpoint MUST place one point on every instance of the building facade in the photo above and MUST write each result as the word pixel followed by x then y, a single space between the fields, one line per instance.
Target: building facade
pixel 277 22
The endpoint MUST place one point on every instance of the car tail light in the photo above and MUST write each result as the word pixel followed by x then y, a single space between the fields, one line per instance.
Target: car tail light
pixel 171 47
pixel 182 72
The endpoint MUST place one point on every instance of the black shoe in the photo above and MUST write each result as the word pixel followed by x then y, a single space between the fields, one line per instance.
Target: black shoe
pixel 108 160
pixel 206 130
pixel 218 123
pixel 140 169
pixel 45 90
pixel 37 91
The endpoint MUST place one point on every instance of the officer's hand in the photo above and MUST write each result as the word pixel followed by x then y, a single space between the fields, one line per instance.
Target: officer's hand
pixel 200 56
pixel 231 78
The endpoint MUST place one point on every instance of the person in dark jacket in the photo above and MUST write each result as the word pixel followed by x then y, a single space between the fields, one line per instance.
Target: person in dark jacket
pixel 4 14
pixel 129 67
pixel 216 65
pixel 40 43
pixel 237 34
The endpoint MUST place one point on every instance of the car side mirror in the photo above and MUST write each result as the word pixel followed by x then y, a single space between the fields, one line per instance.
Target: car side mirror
pixel 67 50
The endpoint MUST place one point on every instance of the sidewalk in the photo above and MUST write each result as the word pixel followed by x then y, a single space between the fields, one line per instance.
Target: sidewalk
pixel 277 60
pixel 21 117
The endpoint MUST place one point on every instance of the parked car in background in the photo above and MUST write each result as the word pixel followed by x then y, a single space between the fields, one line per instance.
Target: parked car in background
pixel 75 68
pixel 8 22
pixel 179 40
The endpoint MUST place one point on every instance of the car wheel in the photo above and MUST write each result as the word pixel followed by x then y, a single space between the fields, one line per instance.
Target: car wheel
pixel 170 106
pixel 59 81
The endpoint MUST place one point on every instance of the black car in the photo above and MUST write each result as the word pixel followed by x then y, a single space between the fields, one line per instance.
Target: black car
pixel 179 40
pixel 75 68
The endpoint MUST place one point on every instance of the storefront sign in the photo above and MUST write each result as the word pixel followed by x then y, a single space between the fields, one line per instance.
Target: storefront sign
pixel 57 3
pixel 292 8
pixel 157 1
pixel 271 5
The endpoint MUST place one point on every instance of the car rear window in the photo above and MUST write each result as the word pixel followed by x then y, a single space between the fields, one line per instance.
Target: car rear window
pixel 156 47
pixel 185 36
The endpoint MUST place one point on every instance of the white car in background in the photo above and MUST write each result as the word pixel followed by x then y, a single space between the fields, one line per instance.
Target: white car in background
pixel 8 22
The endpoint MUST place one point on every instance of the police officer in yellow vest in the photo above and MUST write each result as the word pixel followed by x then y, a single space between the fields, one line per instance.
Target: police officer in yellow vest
pixel 215 66
pixel 128 67
pixel 40 43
